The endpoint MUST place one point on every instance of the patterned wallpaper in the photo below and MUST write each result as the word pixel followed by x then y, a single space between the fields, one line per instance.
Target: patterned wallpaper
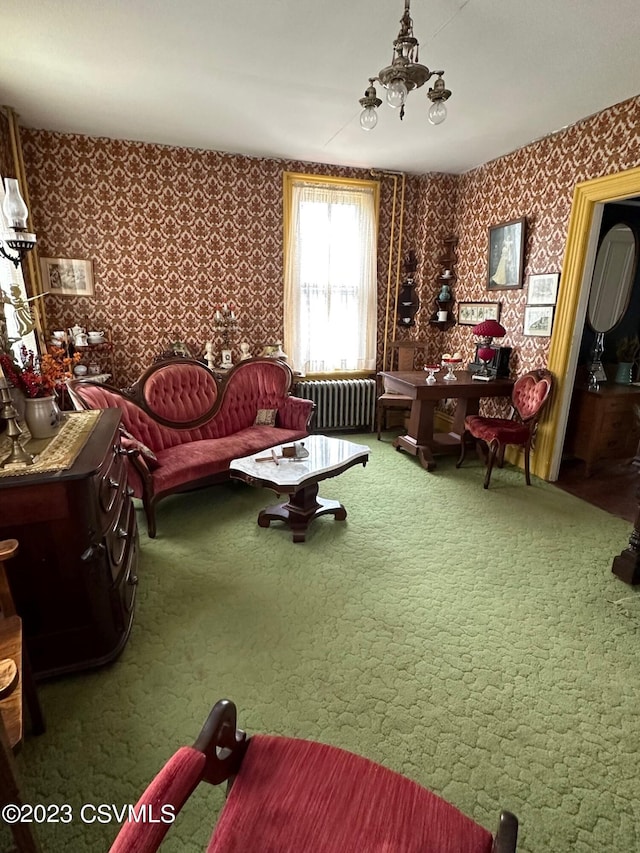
pixel 173 231
pixel 537 183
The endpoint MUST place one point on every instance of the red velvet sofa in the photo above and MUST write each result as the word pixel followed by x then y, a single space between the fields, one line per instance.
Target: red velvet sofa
pixel 182 425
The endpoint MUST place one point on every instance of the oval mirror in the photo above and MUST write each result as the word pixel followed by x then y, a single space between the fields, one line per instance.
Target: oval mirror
pixel 612 278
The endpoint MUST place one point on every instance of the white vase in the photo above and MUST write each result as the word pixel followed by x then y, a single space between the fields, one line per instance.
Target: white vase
pixel 42 416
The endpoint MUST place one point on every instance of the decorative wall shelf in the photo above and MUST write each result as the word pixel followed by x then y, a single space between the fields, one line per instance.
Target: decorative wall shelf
pixel 408 300
pixel 444 300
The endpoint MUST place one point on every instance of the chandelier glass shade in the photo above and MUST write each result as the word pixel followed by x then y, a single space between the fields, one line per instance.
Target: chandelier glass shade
pixel 15 236
pixel 403 75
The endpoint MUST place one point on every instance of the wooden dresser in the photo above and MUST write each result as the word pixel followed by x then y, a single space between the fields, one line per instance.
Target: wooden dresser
pixel 602 424
pixel 74 576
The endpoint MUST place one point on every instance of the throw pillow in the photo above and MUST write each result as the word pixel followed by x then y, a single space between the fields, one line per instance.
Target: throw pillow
pixel 146 452
pixel 266 417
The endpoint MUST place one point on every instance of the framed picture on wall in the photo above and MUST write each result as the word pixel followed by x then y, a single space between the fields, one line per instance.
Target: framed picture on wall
pixel 506 255
pixel 543 289
pixel 538 320
pixel 470 313
pixel 65 277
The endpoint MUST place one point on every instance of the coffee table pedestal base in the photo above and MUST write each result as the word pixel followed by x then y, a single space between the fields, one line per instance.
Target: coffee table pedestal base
pixel 300 510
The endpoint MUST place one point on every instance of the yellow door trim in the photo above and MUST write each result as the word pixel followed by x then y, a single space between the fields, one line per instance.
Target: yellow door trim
pixel 585 198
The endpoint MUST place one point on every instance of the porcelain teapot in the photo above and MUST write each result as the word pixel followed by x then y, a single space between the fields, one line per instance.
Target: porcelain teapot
pixel 79 336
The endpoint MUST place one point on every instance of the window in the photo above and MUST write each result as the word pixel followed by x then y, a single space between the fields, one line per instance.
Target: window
pixel 15 311
pixel 330 260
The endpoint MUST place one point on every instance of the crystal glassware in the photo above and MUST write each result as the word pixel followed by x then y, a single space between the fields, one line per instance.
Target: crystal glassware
pixel 432 369
pixel 450 364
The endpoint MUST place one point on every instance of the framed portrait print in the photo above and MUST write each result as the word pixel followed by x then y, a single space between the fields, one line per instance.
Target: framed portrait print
pixel 543 289
pixel 471 313
pixel 65 277
pixel 538 320
pixel 506 255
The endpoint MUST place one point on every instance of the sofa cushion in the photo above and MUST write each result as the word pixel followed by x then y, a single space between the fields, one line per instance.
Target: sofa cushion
pixel 199 459
pixel 266 417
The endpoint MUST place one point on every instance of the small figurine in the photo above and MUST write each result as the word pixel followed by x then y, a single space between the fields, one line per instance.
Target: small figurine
pixel 244 351
pixel 445 294
pixel 209 357
pixel 278 352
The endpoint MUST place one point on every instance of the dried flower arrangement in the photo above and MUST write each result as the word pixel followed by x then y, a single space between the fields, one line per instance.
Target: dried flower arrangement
pixel 39 376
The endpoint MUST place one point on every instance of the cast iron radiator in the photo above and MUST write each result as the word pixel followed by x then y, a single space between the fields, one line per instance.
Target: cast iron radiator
pixel 340 403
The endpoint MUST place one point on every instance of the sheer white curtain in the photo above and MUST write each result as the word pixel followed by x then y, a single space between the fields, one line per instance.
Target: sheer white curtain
pixel 12 289
pixel 330 274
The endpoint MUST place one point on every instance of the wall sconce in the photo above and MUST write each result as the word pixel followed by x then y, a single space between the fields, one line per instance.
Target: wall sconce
pixel 487 331
pixel 15 235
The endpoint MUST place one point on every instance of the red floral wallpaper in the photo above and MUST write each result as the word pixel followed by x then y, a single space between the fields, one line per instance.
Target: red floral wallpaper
pixel 174 231
pixel 537 183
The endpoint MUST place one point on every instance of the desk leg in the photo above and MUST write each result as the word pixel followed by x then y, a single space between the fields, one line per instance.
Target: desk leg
pixel 300 510
pixel 419 440
pixel 464 407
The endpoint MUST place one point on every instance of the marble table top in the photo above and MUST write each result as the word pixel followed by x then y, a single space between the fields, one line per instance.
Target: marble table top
pixel 326 455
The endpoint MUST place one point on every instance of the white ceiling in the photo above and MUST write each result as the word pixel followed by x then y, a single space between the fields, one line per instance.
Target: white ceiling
pixel 282 78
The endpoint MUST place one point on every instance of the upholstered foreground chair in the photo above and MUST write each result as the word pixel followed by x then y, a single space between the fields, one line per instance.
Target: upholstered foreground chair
pixel 530 393
pixel 286 794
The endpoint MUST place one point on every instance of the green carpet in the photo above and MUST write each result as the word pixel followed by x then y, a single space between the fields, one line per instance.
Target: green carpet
pixel 474 640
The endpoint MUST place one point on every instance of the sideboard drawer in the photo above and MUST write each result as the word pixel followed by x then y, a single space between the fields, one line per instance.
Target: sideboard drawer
pixel 603 424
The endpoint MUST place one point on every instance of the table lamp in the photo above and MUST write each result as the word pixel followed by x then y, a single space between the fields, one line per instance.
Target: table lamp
pixel 487 331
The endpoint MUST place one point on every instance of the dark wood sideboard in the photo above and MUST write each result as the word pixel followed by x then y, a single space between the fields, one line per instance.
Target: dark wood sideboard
pixel 73 578
pixel 602 424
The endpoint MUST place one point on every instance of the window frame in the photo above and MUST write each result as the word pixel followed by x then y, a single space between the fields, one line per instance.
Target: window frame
pixel 290 179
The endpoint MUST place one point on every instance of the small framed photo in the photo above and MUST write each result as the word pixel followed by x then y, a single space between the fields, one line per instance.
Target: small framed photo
pixel 538 320
pixel 543 289
pixel 65 277
pixel 471 313
pixel 506 255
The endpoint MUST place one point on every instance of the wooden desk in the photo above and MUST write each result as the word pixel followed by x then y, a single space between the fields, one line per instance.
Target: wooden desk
pixel 421 441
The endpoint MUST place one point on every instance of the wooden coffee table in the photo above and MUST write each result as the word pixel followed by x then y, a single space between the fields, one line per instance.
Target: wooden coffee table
pixel 299 478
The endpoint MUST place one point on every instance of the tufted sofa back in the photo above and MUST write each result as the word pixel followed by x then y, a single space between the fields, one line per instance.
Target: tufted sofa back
pixel 180 400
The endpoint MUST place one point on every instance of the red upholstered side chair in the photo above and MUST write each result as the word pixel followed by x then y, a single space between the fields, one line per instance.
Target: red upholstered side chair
pixel 530 393
pixel 287 794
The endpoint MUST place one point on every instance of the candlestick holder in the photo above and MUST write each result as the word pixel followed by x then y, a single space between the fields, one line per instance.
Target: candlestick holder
pixel 14 430
pixel 226 322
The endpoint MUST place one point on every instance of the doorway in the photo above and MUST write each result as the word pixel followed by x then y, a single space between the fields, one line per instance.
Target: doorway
pixel 600 446
pixel 584 224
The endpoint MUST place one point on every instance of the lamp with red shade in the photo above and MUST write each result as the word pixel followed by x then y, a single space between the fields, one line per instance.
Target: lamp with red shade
pixel 487 331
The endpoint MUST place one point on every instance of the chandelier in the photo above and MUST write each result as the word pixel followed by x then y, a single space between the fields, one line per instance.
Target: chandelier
pixel 404 74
